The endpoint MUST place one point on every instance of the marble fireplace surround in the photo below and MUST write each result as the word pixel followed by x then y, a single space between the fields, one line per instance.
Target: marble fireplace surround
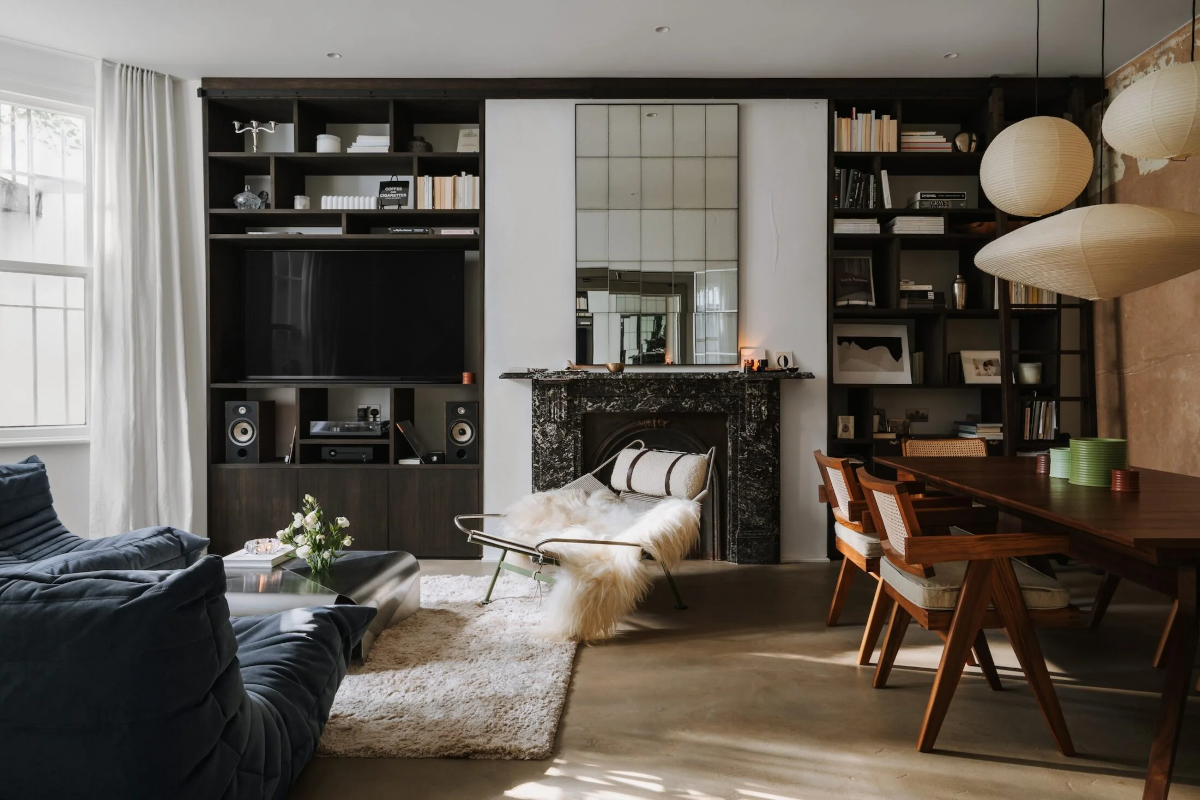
pixel 750 402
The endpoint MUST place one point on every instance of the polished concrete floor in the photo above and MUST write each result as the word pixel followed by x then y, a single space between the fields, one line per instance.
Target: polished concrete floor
pixel 748 695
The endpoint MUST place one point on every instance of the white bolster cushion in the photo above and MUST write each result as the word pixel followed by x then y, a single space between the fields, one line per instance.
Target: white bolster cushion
pixel 660 474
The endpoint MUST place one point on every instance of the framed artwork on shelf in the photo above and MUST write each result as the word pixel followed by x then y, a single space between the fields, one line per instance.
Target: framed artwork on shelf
pixel 871 354
pixel 981 366
pixel 853 279
pixel 845 427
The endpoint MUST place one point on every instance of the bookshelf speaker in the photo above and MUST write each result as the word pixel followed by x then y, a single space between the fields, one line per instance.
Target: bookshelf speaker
pixel 249 431
pixel 462 433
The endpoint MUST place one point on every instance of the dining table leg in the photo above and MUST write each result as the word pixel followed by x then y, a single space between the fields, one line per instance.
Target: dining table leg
pixel 1177 684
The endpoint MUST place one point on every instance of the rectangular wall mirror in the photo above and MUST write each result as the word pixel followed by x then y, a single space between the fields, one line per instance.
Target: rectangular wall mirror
pixel 656 234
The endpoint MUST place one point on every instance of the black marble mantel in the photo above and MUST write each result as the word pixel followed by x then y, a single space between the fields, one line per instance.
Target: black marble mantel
pixel 750 402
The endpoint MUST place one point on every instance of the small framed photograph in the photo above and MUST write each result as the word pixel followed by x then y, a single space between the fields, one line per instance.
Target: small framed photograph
pixel 981 366
pixel 781 358
pixel 845 427
pixel 397 192
pixel 871 354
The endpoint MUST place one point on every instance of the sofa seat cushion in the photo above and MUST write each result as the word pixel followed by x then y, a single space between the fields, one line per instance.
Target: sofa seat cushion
pixel 31 534
pixel 941 591
pixel 137 677
pixel 865 543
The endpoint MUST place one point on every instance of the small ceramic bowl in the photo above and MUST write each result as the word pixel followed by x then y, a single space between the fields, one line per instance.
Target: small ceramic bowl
pixel 615 367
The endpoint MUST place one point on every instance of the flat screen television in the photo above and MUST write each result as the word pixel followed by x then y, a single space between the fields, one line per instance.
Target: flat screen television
pixel 387 315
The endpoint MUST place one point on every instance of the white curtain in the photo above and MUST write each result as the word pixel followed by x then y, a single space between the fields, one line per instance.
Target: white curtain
pixel 141 465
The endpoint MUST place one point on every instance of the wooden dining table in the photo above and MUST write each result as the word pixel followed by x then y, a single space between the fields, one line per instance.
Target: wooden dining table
pixel 1151 537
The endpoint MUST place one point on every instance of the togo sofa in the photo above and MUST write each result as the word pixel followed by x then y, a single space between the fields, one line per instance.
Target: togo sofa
pixel 137 685
pixel 31 535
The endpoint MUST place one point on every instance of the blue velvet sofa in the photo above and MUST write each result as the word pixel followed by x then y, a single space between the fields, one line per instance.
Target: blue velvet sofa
pixel 137 685
pixel 31 535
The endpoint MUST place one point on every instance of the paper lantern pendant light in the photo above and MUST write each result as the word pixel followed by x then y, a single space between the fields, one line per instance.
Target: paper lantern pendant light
pixel 1036 166
pixel 1158 116
pixel 1097 252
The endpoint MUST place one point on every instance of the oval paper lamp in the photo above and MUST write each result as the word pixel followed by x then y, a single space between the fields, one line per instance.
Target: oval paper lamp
pixel 1036 166
pixel 1097 252
pixel 1159 116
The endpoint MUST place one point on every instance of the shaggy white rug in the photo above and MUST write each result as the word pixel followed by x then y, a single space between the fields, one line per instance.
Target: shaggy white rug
pixel 457 679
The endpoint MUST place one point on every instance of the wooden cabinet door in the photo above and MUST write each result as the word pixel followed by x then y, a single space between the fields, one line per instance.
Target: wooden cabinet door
pixel 359 494
pixel 422 504
pixel 247 503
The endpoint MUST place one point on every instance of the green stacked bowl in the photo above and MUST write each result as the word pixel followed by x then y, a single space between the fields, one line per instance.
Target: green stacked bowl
pixel 1060 462
pixel 1093 460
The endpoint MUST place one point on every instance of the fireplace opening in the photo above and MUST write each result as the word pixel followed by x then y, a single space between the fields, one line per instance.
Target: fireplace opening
pixel 606 434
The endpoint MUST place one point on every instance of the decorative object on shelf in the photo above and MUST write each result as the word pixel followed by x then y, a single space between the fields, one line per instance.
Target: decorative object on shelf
pixel 265 196
pixel 747 365
pixel 468 378
pixel 247 200
pixel 300 202
pixel 981 366
pixel 260 554
pixel 1060 462
pixel 1126 480
pixel 328 143
pixel 571 365
pixel 468 140
pixel 853 279
pixel 751 354
pixel 396 192
pixel 845 427
pixel 254 129
pixel 1040 164
pixel 916 414
pixel 362 202
pixel 1043 463
pixel 417 144
pixel 761 365
pixel 317 540
pixel 960 292
pixel 784 359
pixel 1094 459
pixel 965 142
pixel 615 367
pixel 290 457
pixel 918 367
pixel 873 354
pixel 1029 373
pixel 1097 252
pixel 1159 115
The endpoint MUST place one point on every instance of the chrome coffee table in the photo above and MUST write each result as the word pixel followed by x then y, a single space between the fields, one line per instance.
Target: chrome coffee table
pixel 387 580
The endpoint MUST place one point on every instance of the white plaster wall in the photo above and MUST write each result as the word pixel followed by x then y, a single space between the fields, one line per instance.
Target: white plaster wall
pixel 530 240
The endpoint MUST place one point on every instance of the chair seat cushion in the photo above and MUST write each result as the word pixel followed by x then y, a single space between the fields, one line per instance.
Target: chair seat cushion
pixel 865 543
pixel 940 593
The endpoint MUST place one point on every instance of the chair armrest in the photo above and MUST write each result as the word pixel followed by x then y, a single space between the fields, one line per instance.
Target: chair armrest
pixel 458 521
pixel 560 540
pixel 935 549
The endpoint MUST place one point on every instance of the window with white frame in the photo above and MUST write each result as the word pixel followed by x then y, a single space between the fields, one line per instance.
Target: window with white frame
pixel 45 264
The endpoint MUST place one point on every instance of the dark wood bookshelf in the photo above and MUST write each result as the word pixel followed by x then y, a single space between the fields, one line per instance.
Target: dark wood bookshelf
pixel 393 506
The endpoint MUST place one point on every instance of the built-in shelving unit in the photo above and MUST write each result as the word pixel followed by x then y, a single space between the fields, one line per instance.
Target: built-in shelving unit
pixel 392 506
pixel 1058 334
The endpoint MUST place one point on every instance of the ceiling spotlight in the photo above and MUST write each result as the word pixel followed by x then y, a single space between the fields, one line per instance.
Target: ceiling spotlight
pixel 950 55
pixel 333 55
pixel 662 29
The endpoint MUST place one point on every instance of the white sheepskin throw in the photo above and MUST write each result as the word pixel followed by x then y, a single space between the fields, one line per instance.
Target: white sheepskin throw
pixel 598 585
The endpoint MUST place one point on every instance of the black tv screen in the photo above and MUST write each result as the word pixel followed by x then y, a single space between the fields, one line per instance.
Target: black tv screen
pixel 343 314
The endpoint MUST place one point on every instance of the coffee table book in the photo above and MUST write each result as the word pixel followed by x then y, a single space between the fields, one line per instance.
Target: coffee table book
pixel 244 560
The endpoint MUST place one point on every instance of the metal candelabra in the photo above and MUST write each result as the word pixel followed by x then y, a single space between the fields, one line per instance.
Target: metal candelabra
pixel 255 129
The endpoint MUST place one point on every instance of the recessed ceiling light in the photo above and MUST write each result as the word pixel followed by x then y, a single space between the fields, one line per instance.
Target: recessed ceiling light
pixel 333 55
pixel 950 55
pixel 662 29
pixel 652 114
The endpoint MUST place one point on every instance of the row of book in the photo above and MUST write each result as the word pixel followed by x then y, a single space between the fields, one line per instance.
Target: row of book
pixel 855 189
pixel 924 142
pixel 909 225
pixel 1040 420
pixel 979 430
pixel 865 133
pixel 921 299
pixel 1020 294
pixel 448 191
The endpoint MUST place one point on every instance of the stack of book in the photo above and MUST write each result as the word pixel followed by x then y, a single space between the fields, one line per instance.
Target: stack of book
pixel 864 133
pixel 920 295
pixel 863 225
pixel 937 201
pixel 908 225
pixel 924 142
pixel 369 144
pixel 448 191
pixel 1040 420
pixel 855 189
pixel 980 430
pixel 243 560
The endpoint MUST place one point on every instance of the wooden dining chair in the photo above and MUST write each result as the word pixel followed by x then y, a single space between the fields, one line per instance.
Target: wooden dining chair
pixel 921 448
pixel 963 584
pixel 858 542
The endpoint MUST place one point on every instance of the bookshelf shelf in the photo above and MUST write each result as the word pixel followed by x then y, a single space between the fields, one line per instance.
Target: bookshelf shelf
pixel 345 240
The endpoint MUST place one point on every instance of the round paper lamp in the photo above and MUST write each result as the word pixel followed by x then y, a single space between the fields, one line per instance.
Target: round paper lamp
pixel 1097 252
pixel 1159 116
pixel 1036 166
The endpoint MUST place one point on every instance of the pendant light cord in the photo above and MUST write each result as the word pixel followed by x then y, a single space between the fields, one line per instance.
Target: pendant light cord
pixel 1193 30
pixel 1037 52
pixel 1103 93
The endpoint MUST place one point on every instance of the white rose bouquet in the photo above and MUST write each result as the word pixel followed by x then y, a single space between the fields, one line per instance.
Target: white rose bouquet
pixel 317 541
